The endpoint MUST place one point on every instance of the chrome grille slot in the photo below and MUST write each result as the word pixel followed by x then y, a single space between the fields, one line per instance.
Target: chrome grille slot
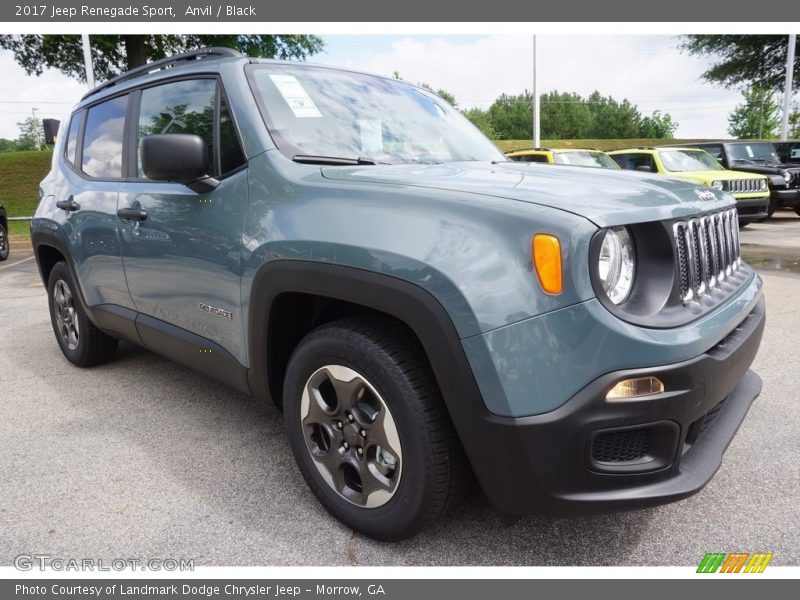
pixel 708 252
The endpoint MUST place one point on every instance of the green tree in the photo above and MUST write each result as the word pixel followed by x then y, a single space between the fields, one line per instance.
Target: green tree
pixel 745 59
pixel 7 145
pixel 658 125
pixel 113 54
pixel 612 119
pixel 757 117
pixel 480 118
pixel 511 116
pixel 564 115
pixel 31 134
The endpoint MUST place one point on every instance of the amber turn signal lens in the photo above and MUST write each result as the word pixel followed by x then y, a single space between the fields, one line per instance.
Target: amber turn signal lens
pixel 635 388
pixel 547 260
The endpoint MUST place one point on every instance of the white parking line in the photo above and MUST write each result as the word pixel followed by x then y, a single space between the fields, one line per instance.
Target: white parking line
pixel 19 262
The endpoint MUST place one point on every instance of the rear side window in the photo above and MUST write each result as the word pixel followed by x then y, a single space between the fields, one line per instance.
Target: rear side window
pixel 72 138
pixel 179 107
pixel 102 140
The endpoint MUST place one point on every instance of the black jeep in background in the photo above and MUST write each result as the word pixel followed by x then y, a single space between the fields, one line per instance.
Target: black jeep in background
pixel 789 151
pixel 760 157
pixel 3 233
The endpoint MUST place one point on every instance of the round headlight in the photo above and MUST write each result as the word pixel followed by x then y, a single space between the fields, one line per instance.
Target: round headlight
pixel 787 175
pixel 617 264
pixel 717 185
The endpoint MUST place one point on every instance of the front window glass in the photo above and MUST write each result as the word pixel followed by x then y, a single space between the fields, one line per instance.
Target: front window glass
pixel 180 107
pixel 757 152
pixel 313 111
pixel 688 160
pixel 585 159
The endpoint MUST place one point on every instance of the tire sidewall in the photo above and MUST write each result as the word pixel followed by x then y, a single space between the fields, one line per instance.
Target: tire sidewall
pixel 402 514
pixel 5 248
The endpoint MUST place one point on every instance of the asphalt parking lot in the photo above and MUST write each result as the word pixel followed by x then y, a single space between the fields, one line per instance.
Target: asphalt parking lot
pixel 144 458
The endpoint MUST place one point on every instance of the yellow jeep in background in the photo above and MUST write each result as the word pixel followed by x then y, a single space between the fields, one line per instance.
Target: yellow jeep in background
pixel 576 157
pixel 698 166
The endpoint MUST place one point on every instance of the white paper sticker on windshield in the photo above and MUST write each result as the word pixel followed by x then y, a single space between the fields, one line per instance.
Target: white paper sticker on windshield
pixel 371 136
pixel 296 96
pixel 749 151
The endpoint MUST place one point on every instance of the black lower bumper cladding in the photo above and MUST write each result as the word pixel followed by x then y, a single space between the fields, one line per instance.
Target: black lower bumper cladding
pixel 593 455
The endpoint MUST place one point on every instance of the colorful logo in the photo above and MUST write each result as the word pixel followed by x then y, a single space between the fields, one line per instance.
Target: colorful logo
pixel 734 562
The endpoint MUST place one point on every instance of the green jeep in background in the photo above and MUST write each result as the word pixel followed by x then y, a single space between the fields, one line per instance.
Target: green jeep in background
pixel 350 248
pixel 750 190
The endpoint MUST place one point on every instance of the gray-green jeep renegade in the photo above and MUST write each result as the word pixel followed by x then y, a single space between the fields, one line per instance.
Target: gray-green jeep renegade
pixel 420 308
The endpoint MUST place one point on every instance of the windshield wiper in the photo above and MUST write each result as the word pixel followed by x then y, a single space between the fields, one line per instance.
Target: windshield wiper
pixel 311 159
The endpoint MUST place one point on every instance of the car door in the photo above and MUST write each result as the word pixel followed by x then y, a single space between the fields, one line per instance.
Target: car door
pixel 182 248
pixel 93 174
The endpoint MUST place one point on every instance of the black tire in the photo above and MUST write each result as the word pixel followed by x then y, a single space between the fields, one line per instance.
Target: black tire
pixel 432 468
pixel 797 210
pixel 90 346
pixel 4 243
pixel 771 208
pixel 745 223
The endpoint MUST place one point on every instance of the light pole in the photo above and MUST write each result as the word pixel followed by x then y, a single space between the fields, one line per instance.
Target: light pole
pixel 87 60
pixel 36 128
pixel 787 92
pixel 536 137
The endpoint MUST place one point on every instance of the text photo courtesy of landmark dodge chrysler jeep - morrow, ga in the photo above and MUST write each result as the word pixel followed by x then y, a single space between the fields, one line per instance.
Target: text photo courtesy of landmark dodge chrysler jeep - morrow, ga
pixel 421 308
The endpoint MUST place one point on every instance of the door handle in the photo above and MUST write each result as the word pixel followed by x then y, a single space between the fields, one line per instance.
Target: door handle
pixel 132 214
pixel 69 204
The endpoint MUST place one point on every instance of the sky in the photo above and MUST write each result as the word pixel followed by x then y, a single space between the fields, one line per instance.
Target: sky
pixel 648 70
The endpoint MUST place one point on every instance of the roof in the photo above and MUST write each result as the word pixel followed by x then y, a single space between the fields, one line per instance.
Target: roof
pixel 540 150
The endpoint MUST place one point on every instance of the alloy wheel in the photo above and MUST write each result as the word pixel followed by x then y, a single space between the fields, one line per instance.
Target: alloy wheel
pixel 351 435
pixel 66 316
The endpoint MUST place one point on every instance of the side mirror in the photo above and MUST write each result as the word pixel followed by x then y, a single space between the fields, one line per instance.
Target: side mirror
pixel 177 157
pixel 645 168
pixel 50 127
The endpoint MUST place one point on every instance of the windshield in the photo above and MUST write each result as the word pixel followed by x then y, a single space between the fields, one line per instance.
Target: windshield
pixel 321 112
pixel 763 151
pixel 585 158
pixel 688 160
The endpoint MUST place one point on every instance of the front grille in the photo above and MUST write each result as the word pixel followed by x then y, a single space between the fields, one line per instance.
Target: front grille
pixel 621 446
pixel 708 252
pixel 745 186
pixel 795 182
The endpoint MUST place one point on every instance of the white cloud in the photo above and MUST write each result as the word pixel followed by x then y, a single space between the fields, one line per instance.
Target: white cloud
pixel 53 94
pixel 648 70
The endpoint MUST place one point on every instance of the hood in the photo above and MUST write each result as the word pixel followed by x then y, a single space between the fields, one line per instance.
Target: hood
pixel 768 168
pixel 604 196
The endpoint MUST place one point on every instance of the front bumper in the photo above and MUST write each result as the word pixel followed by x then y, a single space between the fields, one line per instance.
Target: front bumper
pixel 750 209
pixel 788 197
pixel 548 463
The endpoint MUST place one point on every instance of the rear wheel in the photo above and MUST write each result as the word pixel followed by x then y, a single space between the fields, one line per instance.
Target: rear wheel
pixel 368 429
pixel 81 342
pixel 4 245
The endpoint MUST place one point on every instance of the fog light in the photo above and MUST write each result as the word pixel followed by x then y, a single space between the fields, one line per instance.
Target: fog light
pixel 635 388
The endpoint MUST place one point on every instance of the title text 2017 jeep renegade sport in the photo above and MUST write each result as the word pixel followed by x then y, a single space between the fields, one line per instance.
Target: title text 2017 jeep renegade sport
pixel 350 248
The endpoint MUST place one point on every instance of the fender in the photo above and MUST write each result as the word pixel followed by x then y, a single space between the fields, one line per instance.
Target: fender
pixel 405 301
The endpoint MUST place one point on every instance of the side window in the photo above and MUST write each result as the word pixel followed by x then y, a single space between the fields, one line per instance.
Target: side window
pixel 102 140
pixel 641 160
pixel 715 151
pixel 179 107
pixel 621 160
pixel 230 153
pixel 72 137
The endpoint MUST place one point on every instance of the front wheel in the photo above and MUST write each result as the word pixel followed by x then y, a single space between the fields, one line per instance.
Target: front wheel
pixel 4 244
pixel 368 428
pixel 797 210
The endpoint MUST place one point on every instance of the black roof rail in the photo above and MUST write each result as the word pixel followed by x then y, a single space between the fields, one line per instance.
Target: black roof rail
pixel 164 63
pixel 538 149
